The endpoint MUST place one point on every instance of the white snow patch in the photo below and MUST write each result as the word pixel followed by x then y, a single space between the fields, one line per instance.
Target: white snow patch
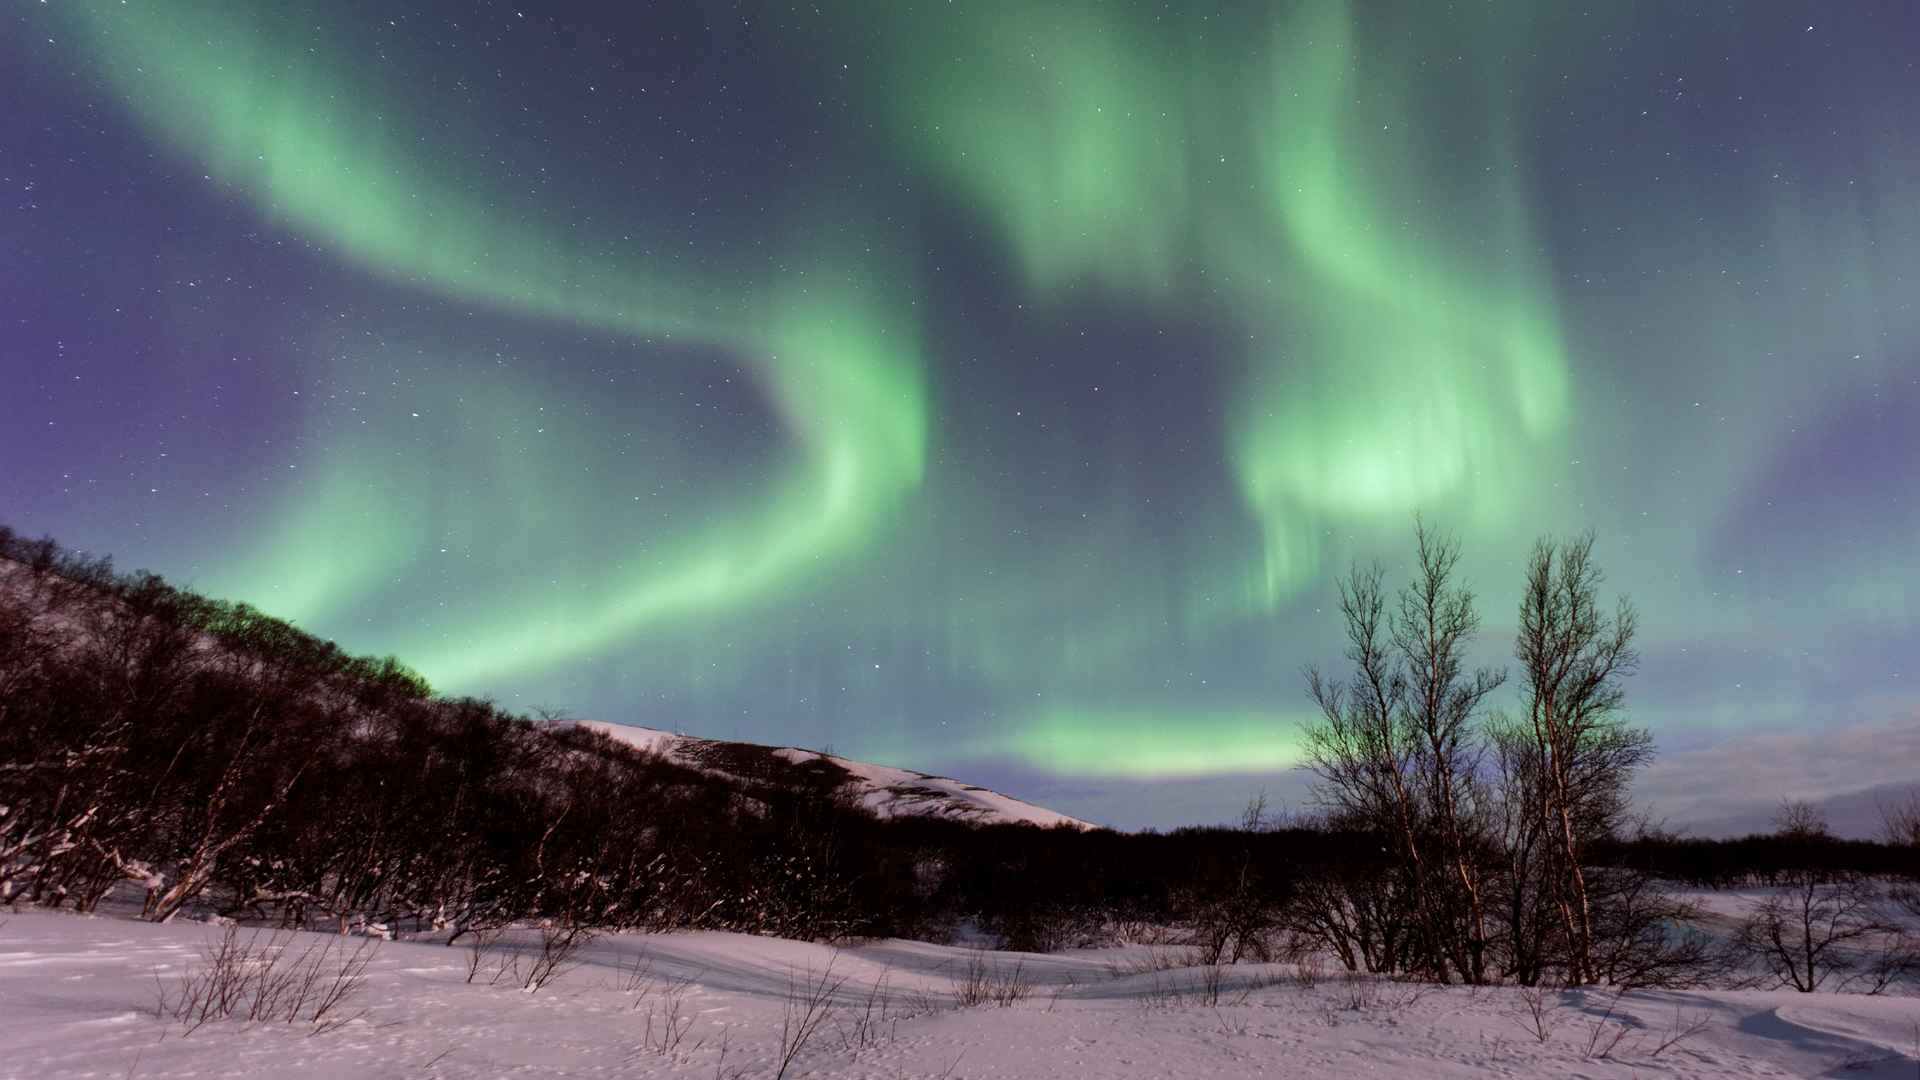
pixel 884 789
pixel 84 1009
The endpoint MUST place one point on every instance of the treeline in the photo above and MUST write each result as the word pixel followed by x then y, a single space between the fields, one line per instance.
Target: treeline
pixel 188 751
pixel 212 755
pixel 1760 860
pixel 1830 914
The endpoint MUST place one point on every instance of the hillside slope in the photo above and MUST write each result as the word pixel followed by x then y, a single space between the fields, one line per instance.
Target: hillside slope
pixel 884 789
pixel 68 608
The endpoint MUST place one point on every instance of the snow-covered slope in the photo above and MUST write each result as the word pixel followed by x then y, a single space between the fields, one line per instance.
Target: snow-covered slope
pixel 888 791
pixel 884 789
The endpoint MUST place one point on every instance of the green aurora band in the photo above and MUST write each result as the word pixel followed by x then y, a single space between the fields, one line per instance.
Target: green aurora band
pixel 1394 366
pixel 1266 173
pixel 233 87
pixel 1403 347
pixel 1339 208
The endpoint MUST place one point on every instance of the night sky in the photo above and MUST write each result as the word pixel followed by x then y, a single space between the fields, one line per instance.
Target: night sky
pixel 991 388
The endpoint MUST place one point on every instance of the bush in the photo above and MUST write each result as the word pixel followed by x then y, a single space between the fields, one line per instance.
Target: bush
pixel 260 980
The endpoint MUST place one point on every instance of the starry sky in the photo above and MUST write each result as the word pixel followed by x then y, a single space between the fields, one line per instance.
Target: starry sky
pixel 988 387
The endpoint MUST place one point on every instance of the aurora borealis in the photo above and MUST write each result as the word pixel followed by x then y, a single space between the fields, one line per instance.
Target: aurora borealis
pixel 988 388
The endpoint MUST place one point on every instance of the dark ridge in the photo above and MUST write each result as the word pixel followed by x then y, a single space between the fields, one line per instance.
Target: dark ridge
pixel 751 761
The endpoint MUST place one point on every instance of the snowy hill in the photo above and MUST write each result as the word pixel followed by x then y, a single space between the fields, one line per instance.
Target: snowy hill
pixel 884 789
pixel 66 606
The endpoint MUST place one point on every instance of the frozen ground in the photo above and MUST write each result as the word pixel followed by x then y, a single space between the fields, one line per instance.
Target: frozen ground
pixel 77 997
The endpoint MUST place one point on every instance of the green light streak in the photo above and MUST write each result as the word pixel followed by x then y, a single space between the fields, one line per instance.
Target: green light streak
pixel 1148 743
pixel 1351 227
pixel 291 127
pixel 1432 362
pixel 846 397
pixel 1091 738
pixel 303 566
pixel 1046 114
pixel 1404 345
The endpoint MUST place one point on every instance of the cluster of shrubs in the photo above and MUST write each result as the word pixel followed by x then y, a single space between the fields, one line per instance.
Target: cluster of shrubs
pixel 203 753
pixel 213 755
pixel 186 751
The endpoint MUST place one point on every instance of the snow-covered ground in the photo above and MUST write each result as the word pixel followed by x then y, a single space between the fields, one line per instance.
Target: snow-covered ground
pixel 77 1000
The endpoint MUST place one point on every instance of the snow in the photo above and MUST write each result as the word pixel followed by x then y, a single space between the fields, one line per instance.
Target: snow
pixel 884 789
pixel 76 1000
pixel 650 740
pixel 889 791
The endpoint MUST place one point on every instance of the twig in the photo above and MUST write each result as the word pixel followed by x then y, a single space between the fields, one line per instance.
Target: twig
pixel 1536 1022
pixel 1682 1030
pixel 809 1006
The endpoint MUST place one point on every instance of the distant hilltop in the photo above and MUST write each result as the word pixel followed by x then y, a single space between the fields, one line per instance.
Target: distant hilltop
pixel 885 790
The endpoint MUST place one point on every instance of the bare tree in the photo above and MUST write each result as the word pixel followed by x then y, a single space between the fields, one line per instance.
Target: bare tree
pixel 1398 746
pixel 1818 933
pixel 1900 825
pixel 1357 747
pixel 1900 821
pixel 1442 708
pixel 1519 832
pixel 1798 819
pixel 1574 658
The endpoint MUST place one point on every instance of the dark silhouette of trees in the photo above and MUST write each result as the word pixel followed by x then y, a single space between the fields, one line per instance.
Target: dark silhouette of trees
pixel 200 754
pixel 1900 825
pixel 1398 746
pixel 1486 824
pixel 1574 658
pixel 1824 925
